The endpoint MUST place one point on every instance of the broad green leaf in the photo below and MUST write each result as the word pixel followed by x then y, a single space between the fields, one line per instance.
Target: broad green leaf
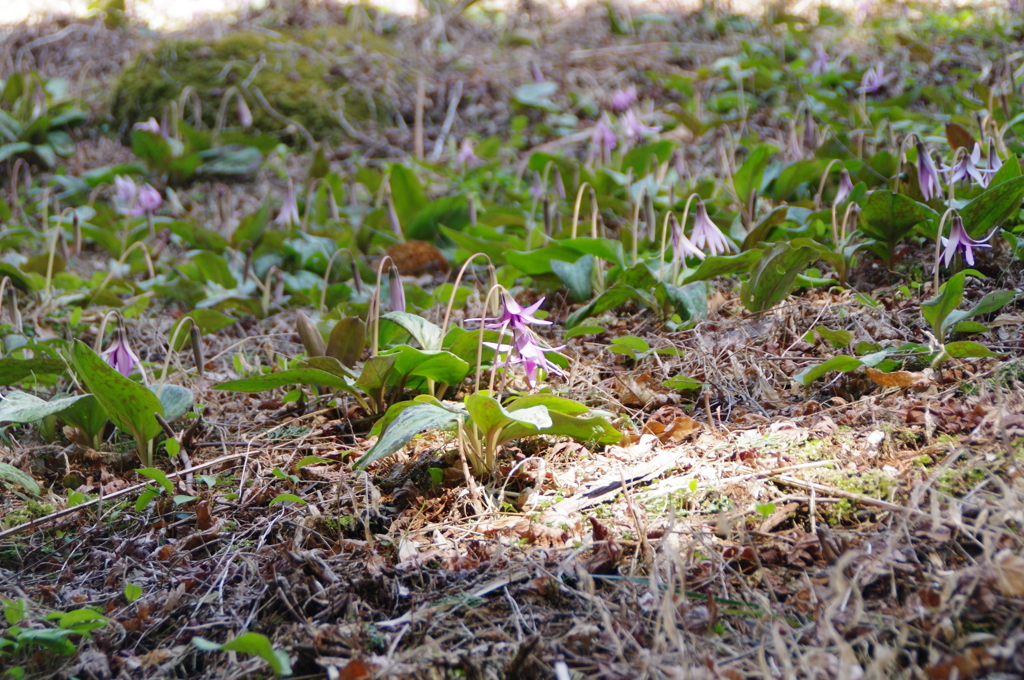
pixel 410 422
pixel 841 363
pixel 939 307
pixel 988 304
pixel 537 262
pixel 584 330
pixel 129 405
pixel 888 217
pixel 407 193
pixel 993 207
pixel 15 370
pixel 747 179
pixel 439 365
pixel 295 376
pixel 450 211
pixel 550 401
pixel 9 473
pixel 347 340
pixel 132 592
pixel 152 148
pixel 286 497
pixel 328 364
pixel 575 276
pixel 838 339
pixel 249 643
pixel 610 299
pixel 250 229
pixel 773 275
pixel 689 301
pixel 21 407
pixel 159 477
pixel 683 383
pixel 87 414
pixel 966 348
pixel 594 429
pixel 640 157
pixel 1009 169
pixel 723 265
pixel 537 96
pixel 147 495
pixel 311 460
pixel 176 400
pixel 198 237
pixel 425 333
pixel 604 248
pixel 230 160
pixel 490 416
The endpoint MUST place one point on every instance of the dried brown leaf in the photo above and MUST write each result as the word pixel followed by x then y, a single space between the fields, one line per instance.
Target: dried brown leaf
pixel 898 378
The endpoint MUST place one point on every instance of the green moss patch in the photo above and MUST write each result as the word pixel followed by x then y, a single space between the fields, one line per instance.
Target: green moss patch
pixel 299 75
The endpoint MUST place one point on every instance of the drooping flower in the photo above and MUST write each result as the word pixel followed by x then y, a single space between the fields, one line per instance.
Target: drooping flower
pixel 536 187
pixel 134 200
pixel 993 162
pixel 603 140
pixel 396 291
pixel 149 126
pixel 682 247
pixel 466 158
pixel 960 240
pixel 623 99
pixel 633 128
pixel 927 175
pixel 149 200
pixel 874 79
pixel 244 114
pixel 707 236
pixel 119 354
pixel 289 214
pixel 969 167
pixel 845 187
pixel 525 350
pixel 820 63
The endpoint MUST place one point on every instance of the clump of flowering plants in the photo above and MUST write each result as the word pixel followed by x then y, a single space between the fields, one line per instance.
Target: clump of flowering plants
pixel 484 422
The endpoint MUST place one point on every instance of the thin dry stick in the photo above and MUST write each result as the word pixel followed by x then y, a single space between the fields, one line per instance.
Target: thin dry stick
pixel 417 125
pixel 36 523
pixel 449 118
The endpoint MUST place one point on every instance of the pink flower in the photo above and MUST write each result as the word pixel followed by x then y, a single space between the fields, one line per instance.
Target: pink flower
pixel 149 126
pixel 289 214
pixel 525 350
pixel 707 235
pixel 466 158
pixel 633 129
pixel 623 99
pixel 132 200
pixel 244 114
pixel 682 247
pixel 603 141
pixel 874 79
pixel 960 240
pixel 820 63
pixel 970 166
pixel 927 175
pixel 120 355
pixel 845 187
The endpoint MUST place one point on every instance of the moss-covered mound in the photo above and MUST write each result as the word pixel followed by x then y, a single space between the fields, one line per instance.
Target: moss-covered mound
pixel 299 81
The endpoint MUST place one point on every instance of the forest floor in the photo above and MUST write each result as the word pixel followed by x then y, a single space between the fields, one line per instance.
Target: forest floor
pixel 861 525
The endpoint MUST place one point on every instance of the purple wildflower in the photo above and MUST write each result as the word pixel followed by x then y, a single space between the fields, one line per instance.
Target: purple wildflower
pixel 244 114
pixel 623 99
pixel 927 175
pixel 525 350
pixel 707 235
pixel 516 316
pixel 633 128
pixel 120 355
pixel 603 140
pixel 132 200
pixel 682 247
pixel 845 187
pixel 466 158
pixel 289 214
pixel 396 291
pixel 993 162
pixel 820 63
pixel 874 79
pixel 960 240
pixel 969 166
pixel 149 126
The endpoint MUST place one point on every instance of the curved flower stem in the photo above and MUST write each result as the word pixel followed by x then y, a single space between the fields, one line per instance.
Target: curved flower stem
pixel 938 249
pixel 821 184
pixel 455 289
pixel 579 203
